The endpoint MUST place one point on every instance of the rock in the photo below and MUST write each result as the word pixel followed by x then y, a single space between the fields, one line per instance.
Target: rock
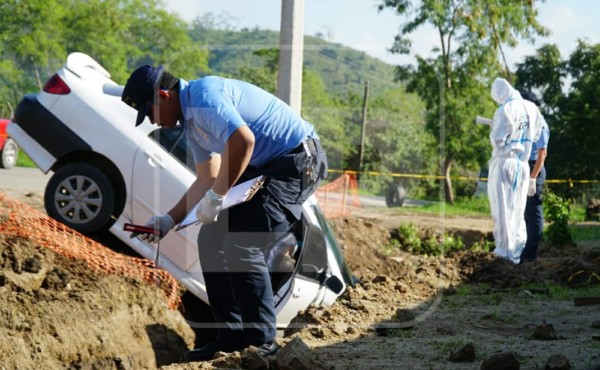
pixel 32 264
pixel 592 211
pixel 379 279
pixel 596 324
pixel 557 362
pixel 404 316
pixel 502 361
pixel 401 287
pixel 251 360
pixel 297 356
pixel 465 354
pixel 544 332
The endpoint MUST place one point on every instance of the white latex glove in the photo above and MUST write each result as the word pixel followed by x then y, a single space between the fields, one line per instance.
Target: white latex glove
pixel 164 223
pixel 209 207
pixel 531 190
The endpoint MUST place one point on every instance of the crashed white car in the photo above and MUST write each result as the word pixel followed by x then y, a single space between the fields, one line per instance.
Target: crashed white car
pixel 108 173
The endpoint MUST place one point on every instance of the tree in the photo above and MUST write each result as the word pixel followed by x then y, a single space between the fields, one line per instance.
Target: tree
pixel 37 35
pixel 569 90
pixel 454 83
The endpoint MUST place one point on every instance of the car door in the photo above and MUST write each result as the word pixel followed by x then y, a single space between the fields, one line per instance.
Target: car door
pixel 160 178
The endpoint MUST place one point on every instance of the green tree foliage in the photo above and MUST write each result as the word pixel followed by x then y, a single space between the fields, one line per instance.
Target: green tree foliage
pixel 396 137
pixel 397 140
pixel 454 83
pixel 344 70
pixel 569 90
pixel 36 36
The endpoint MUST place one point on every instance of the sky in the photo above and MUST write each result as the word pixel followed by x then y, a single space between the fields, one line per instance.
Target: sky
pixel 359 25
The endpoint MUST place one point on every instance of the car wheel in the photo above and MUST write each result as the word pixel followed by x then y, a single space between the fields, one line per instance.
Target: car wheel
pixel 10 152
pixel 80 196
pixel 395 196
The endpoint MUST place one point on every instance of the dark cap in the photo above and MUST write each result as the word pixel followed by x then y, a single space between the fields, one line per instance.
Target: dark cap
pixel 530 95
pixel 140 89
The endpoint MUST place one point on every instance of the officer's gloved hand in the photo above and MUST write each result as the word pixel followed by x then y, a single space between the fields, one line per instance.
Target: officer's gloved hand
pixel 531 190
pixel 209 207
pixel 164 223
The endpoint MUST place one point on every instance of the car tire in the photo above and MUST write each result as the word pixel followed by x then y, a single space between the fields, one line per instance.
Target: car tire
pixel 80 196
pixel 395 196
pixel 10 153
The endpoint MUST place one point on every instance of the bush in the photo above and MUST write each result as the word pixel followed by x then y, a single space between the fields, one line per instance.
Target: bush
pixel 432 243
pixel 556 211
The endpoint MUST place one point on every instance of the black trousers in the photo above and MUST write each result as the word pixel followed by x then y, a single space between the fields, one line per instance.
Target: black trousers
pixel 231 250
pixel 534 218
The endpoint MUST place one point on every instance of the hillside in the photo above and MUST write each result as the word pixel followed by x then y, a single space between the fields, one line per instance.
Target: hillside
pixel 343 69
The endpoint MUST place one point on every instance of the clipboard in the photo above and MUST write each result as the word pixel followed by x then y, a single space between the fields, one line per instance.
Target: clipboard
pixel 238 194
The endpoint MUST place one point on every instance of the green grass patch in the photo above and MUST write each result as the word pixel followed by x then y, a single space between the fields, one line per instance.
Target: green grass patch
pixel 467 206
pixel 577 213
pixel 586 232
pixel 561 292
pixel 24 161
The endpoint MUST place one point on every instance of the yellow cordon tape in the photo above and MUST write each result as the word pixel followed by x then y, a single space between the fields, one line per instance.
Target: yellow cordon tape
pixel 439 177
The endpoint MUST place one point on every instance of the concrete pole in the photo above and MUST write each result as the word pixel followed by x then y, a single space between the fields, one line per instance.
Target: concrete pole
pixel 291 48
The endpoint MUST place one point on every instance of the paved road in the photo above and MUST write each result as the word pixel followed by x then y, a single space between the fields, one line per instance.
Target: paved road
pixel 24 179
pixel 33 180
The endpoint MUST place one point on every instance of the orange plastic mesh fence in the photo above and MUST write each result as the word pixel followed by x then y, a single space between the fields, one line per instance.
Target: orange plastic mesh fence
pixel 340 196
pixel 21 220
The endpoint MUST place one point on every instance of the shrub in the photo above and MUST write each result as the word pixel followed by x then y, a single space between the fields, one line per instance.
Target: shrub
pixel 433 243
pixel 556 210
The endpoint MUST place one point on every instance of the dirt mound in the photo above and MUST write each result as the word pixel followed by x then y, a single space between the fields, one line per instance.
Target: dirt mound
pixel 405 313
pixel 55 313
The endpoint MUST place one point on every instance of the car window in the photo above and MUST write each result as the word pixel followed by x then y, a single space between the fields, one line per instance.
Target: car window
pixel 173 141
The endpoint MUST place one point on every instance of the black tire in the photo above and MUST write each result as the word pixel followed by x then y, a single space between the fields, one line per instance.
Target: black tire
pixel 395 196
pixel 10 153
pixel 80 196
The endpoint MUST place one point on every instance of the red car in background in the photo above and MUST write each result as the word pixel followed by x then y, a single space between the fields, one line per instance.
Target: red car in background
pixel 9 150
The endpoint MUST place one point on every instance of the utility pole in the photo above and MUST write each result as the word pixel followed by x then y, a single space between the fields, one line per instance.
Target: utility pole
pixel 363 127
pixel 291 48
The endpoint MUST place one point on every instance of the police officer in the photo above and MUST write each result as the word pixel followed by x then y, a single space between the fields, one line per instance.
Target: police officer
pixel 236 131
pixel 534 215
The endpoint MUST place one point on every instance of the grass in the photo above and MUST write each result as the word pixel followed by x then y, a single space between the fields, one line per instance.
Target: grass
pixel 586 233
pixel 577 213
pixel 562 293
pixel 24 161
pixel 466 206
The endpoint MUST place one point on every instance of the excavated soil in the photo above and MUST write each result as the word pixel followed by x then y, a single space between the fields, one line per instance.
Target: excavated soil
pixel 407 312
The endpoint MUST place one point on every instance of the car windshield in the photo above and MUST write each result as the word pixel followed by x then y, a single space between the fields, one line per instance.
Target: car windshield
pixel 333 245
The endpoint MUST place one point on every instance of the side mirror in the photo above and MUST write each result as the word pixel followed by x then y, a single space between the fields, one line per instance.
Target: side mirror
pixel 334 284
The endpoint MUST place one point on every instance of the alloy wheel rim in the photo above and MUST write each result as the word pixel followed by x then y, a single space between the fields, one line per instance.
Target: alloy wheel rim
pixel 78 199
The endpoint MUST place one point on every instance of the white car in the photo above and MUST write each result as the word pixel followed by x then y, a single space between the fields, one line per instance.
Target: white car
pixel 107 173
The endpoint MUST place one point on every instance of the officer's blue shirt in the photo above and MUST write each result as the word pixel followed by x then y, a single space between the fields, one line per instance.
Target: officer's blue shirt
pixel 542 142
pixel 214 107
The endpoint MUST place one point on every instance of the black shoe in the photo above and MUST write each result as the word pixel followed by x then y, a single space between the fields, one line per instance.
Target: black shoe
pixel 208 352
pixel 267 349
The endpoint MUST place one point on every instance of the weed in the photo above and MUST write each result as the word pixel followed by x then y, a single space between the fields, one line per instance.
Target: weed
pixel 557 212
pixel 432 243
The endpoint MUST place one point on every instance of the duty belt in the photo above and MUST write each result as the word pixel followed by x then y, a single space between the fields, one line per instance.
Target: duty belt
pixel 309 146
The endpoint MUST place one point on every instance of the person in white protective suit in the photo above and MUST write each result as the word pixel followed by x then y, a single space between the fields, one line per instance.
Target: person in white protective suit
pixel 516 124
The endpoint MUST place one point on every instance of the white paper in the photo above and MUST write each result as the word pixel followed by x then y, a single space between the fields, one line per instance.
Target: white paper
pixel 483 121
pixel 236 195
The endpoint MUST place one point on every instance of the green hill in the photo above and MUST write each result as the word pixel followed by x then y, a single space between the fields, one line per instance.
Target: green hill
pixel 344 70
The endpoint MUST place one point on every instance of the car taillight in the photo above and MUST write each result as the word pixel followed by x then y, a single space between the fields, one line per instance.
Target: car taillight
pixel 55 85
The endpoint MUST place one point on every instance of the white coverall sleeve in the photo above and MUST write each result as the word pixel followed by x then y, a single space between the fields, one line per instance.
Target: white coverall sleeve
pixel 502 127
